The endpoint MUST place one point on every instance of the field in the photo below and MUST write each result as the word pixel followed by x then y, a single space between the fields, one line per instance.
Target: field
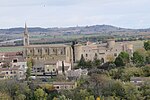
pixel 11 49
pixel 137 44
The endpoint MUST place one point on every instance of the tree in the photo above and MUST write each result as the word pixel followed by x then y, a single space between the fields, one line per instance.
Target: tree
pixel 131 92
pixel 21 97
pixel 5 96
pixel 129 72
pixel 82 62
pixel 91 97
pixel 40 94
pixel 89 64
pixel 30 65
pixel 148 57
pixel 145 89
pixel 28 73
pixel 122 59
pixel 14 89
pixel 119 62
pixel 96 61
pixel 125 57
pixel 147 45
pixel 63 68
pixel 146 70
pixel 138 59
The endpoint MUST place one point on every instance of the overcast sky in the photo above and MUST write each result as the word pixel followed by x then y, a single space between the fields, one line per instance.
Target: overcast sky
pixel 66 13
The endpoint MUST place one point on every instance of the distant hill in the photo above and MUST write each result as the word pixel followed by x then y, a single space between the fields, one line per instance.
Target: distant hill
pixel 74 30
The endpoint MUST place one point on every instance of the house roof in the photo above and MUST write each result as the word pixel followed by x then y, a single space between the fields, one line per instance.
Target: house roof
pixel 10 58
pixel 140 79
pixel 63 83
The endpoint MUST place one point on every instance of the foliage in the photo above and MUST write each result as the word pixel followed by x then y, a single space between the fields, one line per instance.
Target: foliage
pixel 30 64
pixel 119 62
pixel 148 57
pixel 4 96
pixel 122 59
pixel 145 89
pixel 14 89
pixel 28 73
pixel 147 45
pixel 146 70
pixel 138 58
pixel 88 64
pixel 40 94
pixel 125 73
pixel 82 62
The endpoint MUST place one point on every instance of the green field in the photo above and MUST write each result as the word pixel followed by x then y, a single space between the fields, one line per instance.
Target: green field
pixel 11 49
pixel 137 44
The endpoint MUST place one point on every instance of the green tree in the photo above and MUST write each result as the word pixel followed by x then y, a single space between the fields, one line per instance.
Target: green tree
pixel 125 57
pixel 145 89
pixel 119 62
pixel 148 57
pixel 89 64
pixel 30 65
pixel 138 58
pixel 21 97
pixel 4 96
pixel 131 92
pixel 129 72
pixel 147 45
pixel 91 97
pixel 82 62
pixel 40 94
pixel 146 70
pixel 96 61
pixel 122 59
pixel 28 73
pixel 63 68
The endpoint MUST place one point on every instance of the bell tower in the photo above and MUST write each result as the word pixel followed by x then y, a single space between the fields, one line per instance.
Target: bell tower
pixel 26 36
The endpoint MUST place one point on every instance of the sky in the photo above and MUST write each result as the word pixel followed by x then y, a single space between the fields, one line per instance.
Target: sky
pixel 68 13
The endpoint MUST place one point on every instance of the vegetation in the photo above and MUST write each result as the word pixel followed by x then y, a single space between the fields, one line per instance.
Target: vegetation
pixel 147 45
pixel 112 83
pixel 122 59
pixel 89 64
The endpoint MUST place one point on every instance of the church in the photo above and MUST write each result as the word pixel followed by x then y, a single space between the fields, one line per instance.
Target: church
pixel 47 54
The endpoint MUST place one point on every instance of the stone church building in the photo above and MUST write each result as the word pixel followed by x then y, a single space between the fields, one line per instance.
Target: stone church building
pixel 46 54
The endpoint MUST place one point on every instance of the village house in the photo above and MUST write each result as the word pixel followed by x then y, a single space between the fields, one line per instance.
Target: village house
pixel 138 81
pixel 12 73
pixel 64 85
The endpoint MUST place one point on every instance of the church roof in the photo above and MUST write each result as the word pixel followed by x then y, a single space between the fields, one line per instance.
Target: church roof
pixel 46 45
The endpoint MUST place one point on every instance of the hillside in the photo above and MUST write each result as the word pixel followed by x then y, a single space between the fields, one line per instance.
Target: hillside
pixel 74 30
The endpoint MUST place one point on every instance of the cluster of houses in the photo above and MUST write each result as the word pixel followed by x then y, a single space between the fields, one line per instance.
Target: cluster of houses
pixel 12 65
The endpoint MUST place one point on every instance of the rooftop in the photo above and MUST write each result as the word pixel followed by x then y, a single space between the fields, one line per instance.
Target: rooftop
pixel 48 45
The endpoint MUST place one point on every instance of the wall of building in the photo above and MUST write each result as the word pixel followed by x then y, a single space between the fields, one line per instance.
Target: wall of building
pixel 102 51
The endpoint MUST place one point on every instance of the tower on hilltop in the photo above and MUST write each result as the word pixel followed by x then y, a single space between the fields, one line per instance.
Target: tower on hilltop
pixel 26 36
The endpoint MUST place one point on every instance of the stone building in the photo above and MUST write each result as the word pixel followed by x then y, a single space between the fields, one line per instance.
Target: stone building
pixel 12 73
pixel 102 51
pixel 64 85
pixel 45 55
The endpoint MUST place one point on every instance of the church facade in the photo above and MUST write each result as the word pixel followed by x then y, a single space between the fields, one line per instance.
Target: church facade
pixel 46 54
